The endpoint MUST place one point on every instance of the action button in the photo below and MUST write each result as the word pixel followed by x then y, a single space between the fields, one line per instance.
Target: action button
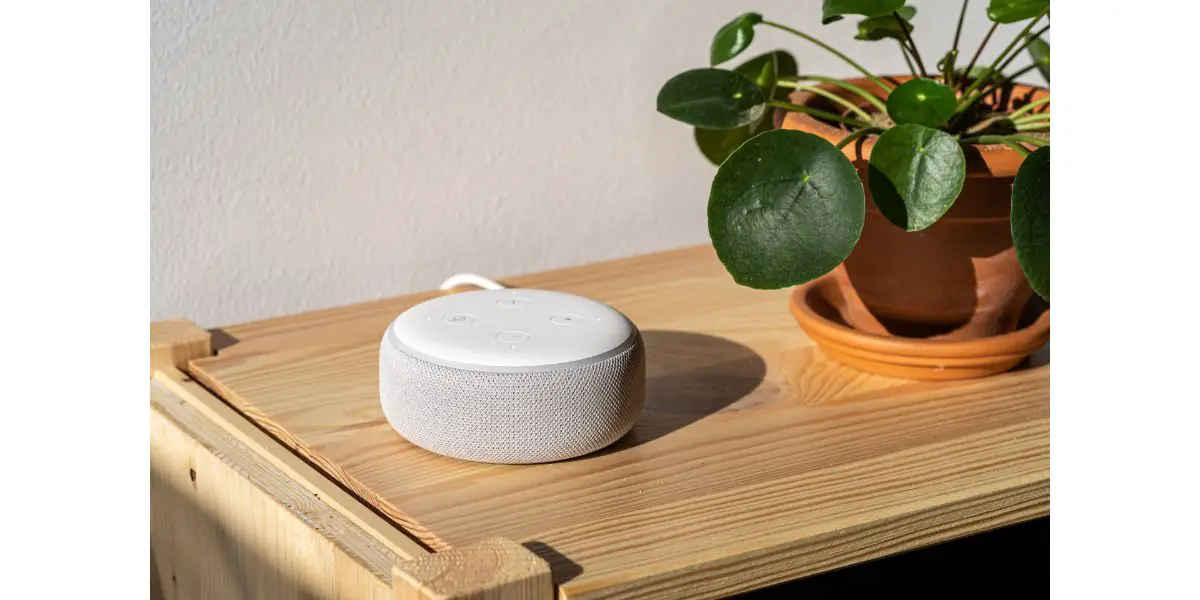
pixel 513 336
pixel 568 319
pixel 514 302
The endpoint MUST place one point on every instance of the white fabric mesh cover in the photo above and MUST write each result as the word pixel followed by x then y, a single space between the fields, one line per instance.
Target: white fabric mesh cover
pixel 512 418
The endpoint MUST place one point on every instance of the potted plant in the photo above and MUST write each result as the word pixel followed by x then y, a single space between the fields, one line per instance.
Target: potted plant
pixel 912 212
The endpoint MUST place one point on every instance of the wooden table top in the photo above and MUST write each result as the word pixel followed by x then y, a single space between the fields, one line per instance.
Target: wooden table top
pixel 757 460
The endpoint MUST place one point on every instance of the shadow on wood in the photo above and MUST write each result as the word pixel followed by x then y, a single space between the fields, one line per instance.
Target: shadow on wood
pixel 562 569
pixel 1010 562
pixel 195 556
pixel 690 376
pixel 215 533
pixel 221 339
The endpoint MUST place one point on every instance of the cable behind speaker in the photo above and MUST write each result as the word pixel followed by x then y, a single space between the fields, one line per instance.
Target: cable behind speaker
pixel 462 279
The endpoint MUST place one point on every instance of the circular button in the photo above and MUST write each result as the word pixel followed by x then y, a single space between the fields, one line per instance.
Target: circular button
pixel 512 336
pixel 514 302
pixel 568 319
pixel 459 319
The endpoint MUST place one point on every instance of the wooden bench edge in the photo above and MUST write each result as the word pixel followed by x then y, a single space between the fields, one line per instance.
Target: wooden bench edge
pixel 174 342
pixel 203 415
pixel 494 569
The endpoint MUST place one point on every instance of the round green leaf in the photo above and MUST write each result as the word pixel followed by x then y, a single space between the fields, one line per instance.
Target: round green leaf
pixel 785 208
pixel 763 70
pixel 921 101
pixel 1031 219
pixel 915 174
pixel 1039 51
pixel 712 99
pixel 1011 11
pixel 734 37
pixel 834 10
pixel 886 26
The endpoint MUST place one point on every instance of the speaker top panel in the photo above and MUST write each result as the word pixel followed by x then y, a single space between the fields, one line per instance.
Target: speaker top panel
pixel 512 328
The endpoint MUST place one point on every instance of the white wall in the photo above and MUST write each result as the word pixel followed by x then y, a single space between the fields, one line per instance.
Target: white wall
pixel 311 153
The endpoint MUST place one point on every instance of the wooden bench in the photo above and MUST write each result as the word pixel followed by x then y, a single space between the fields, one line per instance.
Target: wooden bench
pixel 758 460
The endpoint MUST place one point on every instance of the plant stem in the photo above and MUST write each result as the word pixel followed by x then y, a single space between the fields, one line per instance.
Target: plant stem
pixel 948 68
pixel 1019 148
pixel 1031 38
pixel 844 103
pixel 1004 139
pixel 850 87
pixel 967 102
pixel 983 125
pixel 971 65
pixel 911 44
pixel 1029 107
pixel 816 112
pixel 907 60
pixel 1033 126
pixel 1030 118
pixel 857 134
pixel 961 15
pixel 881 83
pixel 995 63
pixel 948 75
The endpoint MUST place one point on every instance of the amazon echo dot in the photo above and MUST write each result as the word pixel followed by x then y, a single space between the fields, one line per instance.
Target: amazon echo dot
pixel 512 375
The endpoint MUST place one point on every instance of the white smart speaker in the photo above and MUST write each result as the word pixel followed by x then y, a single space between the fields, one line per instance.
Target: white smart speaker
pixel 512 375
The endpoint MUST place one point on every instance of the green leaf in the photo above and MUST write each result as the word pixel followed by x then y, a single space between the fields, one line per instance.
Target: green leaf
pixel 733 38
pixel 886 27
pixel 763 70
pixel 785 208
pixel 717 144
pixel 1031 219
pixel 1011 11
pixel 915 174
pixel 712 99
pixel 766 69
pixel 834 10
pixel 1039 50
pixel 921 101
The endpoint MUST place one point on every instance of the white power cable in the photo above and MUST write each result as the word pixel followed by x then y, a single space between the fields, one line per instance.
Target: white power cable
pixel 462 279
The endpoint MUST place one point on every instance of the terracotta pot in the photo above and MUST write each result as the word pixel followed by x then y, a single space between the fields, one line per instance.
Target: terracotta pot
pixel 959 279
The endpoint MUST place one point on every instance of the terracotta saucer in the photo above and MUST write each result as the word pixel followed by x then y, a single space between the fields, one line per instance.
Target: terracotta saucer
pixel 826 310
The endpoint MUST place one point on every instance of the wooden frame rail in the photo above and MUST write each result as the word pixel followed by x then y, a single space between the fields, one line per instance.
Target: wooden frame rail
pixel 236 514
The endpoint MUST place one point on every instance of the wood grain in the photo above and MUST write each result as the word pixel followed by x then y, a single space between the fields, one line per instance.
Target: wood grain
pixel 757 459
pixel 495 569
pixel 275 469
pixel 224 526
pixel 174 342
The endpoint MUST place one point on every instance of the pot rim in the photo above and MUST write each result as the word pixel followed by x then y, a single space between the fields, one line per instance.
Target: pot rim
pixel 1014 344
pixel 983 160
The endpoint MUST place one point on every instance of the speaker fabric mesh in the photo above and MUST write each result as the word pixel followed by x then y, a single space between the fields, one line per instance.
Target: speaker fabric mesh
pixel 512 417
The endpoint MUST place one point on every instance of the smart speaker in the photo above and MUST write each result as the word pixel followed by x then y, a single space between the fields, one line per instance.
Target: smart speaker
pixel 512 375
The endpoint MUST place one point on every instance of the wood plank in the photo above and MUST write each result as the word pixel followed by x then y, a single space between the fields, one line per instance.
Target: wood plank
pixel 495 569
pixel 281 473
pixel 174 342
pixel 218 531
pixel 757 460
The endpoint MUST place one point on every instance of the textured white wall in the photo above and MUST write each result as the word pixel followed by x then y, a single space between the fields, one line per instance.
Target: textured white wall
pixel 311 153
